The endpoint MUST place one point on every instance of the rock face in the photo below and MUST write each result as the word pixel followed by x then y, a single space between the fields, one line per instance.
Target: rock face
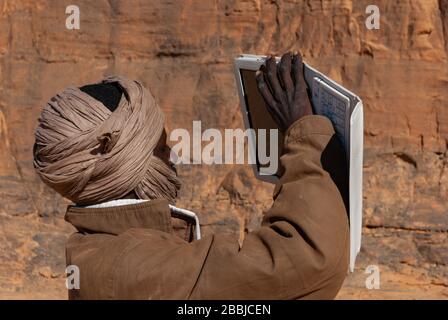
pixel 184 52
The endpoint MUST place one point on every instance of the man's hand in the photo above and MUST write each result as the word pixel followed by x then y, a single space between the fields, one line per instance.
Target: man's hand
pixel 283 89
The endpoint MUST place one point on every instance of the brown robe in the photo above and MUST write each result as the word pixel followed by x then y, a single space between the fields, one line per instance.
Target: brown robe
pixel 301 250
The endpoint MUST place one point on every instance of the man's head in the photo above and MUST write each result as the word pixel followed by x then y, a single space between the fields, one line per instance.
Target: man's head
pixel 109 94
pixel 104 141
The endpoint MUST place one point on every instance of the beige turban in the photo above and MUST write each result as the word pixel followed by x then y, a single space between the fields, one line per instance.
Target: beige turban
pixel 89 154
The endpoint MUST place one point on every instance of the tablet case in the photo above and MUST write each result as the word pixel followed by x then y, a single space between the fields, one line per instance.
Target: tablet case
pixel 334 97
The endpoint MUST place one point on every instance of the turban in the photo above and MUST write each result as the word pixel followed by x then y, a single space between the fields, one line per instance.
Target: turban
pixel 90 154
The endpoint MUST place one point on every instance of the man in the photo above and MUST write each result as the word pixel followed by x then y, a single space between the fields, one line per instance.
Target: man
pixel 102 154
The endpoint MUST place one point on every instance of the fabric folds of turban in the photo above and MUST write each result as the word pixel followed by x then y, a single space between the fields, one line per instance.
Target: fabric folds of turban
pixel 89 154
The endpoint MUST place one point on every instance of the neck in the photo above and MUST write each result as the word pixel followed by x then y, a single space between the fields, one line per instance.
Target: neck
pixel 130 195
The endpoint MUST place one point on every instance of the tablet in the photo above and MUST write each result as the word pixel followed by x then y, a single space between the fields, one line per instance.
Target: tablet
pixel 328 98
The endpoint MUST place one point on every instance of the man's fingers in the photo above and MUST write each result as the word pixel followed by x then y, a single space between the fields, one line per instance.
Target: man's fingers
pixel 297 73
pixel 264 89
pixel 285 74
pixel 267 97
pixel 271 69
pixel 297 69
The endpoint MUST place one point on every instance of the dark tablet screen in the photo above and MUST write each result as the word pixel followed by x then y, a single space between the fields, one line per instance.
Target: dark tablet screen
pixel 259 116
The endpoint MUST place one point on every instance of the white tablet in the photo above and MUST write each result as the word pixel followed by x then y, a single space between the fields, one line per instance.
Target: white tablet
pixel 342 107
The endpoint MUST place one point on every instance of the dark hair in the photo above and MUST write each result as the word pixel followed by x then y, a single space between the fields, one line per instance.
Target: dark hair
pixel 108 93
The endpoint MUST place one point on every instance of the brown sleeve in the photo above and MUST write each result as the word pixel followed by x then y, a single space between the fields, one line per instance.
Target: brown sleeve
pixel 301 249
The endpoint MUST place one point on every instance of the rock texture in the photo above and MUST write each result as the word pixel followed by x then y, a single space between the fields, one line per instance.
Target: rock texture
pixel 183 50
